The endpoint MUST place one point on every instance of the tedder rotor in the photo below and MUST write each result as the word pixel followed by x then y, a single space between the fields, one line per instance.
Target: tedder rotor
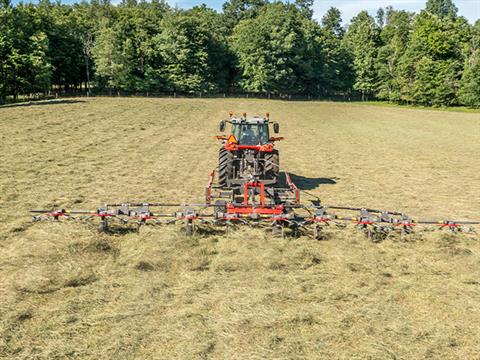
pixel 246 189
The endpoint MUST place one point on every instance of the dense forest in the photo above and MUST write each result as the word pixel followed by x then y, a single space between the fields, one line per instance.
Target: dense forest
pixel 252 46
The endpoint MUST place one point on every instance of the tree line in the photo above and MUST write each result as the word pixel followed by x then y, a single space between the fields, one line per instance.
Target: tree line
pixel 251 46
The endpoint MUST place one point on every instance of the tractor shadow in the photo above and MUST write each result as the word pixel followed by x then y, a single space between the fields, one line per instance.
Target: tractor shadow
pixel 305 183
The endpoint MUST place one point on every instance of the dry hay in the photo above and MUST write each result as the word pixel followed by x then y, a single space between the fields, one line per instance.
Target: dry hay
pixel 68 292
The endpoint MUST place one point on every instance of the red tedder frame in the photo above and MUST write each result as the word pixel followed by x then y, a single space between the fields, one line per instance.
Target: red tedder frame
pixel 208 189
pixel 294 188
pixel 254 184
pixel 246 208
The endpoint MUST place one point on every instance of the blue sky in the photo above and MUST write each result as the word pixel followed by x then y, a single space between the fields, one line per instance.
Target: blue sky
pixel 349 8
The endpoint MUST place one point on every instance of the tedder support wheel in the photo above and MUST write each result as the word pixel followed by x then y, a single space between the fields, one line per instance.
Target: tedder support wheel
pixel 189 227
pixel 103 226
pixel 220 211
pixel 278 230
pixel 225 166
pixel 220 207
pixel 272 165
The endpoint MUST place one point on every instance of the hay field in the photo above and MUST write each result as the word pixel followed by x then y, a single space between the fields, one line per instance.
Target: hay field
pixel 68 292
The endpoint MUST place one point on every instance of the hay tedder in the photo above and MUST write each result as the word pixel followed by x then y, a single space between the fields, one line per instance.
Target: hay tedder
pixel 247 188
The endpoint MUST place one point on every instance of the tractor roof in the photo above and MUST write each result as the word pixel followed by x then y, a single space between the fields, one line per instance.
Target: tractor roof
pixel 252 120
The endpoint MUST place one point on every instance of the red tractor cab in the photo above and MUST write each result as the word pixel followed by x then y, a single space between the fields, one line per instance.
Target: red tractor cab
pixel 248 153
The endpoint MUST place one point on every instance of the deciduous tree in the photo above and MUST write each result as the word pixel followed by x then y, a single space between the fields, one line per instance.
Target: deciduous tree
pixel 362 39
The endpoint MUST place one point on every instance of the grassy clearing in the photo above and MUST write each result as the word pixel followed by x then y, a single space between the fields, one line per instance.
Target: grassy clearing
pixel 67 291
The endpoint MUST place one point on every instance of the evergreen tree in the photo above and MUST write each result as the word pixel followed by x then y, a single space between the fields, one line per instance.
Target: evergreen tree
pixel 442 8
pixel 237 10
pixel 336 72
pixel 380 17
pixel 332 22
pixel 305 7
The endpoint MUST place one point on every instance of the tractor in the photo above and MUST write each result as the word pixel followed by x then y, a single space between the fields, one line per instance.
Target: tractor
pixel 248 153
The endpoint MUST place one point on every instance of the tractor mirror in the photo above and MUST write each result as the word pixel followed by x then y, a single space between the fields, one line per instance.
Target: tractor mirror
pixel 221 126
pixel 276 128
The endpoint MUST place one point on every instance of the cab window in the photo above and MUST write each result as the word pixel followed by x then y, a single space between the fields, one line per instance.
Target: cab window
pixel 251 134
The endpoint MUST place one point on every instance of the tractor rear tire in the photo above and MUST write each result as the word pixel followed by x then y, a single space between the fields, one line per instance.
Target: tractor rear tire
pixel 272 165
pixel 225 167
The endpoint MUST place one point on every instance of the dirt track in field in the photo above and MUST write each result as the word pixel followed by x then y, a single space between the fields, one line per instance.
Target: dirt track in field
pixel 66 291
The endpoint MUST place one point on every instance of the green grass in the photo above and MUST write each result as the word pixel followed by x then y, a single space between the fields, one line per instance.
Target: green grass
pixel 67 291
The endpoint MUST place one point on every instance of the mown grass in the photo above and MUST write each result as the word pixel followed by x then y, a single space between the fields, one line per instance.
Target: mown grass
pixel 67 291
